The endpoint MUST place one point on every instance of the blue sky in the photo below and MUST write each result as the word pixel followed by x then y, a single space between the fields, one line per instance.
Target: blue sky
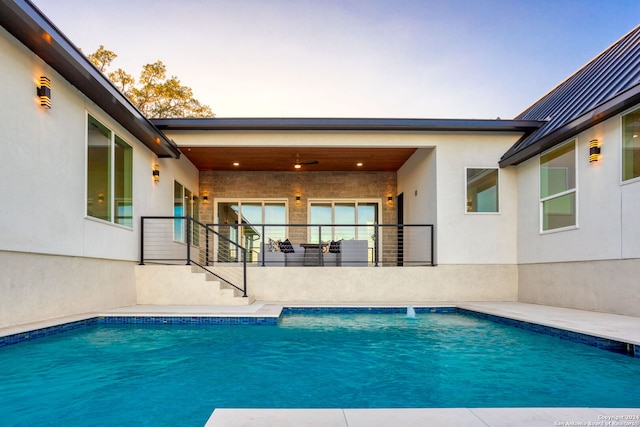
pixel 353 58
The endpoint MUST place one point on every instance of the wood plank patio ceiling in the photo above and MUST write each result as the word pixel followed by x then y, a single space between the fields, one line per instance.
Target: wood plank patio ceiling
pixel 284 158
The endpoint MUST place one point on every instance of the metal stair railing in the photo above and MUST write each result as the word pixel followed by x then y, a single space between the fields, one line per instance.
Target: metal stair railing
pixel 182 239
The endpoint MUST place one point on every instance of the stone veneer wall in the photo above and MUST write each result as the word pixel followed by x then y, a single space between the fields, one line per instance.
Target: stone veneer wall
pixel 309 185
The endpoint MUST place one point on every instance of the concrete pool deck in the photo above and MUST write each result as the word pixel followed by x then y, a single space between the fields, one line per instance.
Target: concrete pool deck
pixel 609 326
pixel 417 417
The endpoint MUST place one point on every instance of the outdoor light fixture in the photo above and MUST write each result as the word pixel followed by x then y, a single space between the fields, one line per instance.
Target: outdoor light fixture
pixel 100 198
pixel 389 200
pixel 594 150
pixel 44 92
pixel 205 198
pixel 156 173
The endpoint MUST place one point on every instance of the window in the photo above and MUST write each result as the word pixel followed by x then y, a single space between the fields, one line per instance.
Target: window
pixel 343 215
pixel 183 205
pixel 558 188
pixel 109 175
pixel 631 146
pixel 482 190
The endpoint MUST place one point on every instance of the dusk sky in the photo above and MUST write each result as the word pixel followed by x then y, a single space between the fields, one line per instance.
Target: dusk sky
pixel 353 58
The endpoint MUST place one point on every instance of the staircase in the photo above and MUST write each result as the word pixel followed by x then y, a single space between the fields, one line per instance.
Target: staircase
pixel 184 285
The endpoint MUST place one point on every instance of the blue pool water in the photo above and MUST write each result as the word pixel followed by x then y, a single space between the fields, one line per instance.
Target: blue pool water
pixel 176 374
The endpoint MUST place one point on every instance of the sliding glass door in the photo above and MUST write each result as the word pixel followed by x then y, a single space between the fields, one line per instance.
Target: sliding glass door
pixel 348 220
pixel 242 222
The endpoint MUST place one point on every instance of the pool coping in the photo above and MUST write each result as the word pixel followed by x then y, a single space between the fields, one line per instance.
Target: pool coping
pixel 419 417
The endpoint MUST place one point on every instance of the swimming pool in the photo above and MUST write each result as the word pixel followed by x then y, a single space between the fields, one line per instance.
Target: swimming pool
pixel 177 374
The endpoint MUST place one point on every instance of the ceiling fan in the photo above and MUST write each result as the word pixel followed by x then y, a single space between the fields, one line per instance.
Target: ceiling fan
pixel 299 164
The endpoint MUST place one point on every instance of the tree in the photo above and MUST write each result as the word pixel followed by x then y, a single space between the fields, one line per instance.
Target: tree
pixel 155 95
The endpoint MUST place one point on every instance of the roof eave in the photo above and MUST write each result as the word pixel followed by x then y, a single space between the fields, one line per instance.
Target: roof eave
pixel 346 124
pixel 599 114
pixel 30 26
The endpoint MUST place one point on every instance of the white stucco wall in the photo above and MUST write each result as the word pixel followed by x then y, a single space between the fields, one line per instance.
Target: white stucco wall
pixel 43 168
pixel 434 183
pixel 595 265
pixel 55 261
pixel 606 209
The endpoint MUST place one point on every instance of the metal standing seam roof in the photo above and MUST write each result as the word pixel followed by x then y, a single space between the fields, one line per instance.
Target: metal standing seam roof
pixel 32 28
pixel 606 86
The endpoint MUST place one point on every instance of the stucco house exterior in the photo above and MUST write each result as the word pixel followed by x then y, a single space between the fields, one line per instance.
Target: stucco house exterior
pixel 540 208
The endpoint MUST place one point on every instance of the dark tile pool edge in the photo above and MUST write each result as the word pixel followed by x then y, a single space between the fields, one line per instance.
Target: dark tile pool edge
pixel 578 337
pixel 137 320
pixel 364 310
pixel 47 331
pixel 187 320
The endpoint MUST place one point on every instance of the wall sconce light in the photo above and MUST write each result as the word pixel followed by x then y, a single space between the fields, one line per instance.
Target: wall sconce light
pixel 389 200
pixel 205 197
pixel 100 198
pixel 298 199
pixel 44 92
pixel 156 173
pixel 594 150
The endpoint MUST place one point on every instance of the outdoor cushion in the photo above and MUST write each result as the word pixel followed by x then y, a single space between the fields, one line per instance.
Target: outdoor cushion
pixel 286 247
pixel 274 245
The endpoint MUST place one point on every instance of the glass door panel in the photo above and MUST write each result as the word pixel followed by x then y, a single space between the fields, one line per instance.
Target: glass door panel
pixel 367 214
pixel 228 227
pixel 275 213
pixel 250 214
pixel 321 213
pixel 178 210
pixel 345 213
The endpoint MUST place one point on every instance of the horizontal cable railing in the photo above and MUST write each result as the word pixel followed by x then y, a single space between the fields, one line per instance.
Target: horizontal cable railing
pixel 183 240
pixel 329 244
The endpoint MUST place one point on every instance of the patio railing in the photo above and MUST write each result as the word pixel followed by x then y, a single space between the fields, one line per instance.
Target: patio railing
pixel 326 244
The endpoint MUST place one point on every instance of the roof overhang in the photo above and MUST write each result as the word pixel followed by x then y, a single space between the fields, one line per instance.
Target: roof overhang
pixel 347 124
pixel 599 114
pixel 258 157
pixel 31 27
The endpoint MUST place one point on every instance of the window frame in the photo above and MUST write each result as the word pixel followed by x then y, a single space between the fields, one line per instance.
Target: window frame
pixel 191 210
pixel 466 191
pixel 574 190
pixel 241 200
pixel 239 236
pixel 114 139
pixel 356 202
pixel 623 181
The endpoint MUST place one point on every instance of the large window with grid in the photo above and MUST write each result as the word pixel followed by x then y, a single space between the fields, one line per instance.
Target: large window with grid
pixel 558 188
